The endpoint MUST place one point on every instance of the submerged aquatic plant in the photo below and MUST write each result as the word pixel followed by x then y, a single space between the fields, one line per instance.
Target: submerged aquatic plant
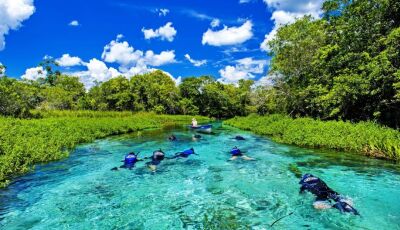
pixel 221 219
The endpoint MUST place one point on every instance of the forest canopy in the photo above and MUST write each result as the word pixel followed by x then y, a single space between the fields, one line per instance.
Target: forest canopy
pixel 342 66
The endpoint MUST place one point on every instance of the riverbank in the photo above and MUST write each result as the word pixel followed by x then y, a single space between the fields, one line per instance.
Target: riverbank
pixel 24 143
pixel 365 137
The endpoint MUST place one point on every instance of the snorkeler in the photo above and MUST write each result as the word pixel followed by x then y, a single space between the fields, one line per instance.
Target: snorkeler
pixel 239 138
pixel 235 152
pixel 156 159
pixel 196 137
pixel 129 161
pixel 324 195
pixel 172 138
pixel 184 154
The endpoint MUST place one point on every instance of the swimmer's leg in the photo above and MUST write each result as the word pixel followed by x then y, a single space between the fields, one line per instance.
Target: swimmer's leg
pixel 233 158
pixel 244 157
pixel 322 204
pixel 152 167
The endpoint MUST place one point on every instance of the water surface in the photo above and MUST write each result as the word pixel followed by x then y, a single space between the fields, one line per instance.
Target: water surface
pixel 81 192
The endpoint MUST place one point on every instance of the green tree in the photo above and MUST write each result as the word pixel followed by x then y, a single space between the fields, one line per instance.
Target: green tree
pixel 17 98
pixel 49 65
pixel 65 93
pixel 153 90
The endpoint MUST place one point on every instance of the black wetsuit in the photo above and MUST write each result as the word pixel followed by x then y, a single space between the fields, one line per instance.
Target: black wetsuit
pixel 157 157
pixel 317 187
pixel 323 193
pixel 172 138
pixel 239 138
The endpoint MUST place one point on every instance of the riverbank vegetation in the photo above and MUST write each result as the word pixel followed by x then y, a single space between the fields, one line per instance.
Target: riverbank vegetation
pixel 364 137
pixel 24 143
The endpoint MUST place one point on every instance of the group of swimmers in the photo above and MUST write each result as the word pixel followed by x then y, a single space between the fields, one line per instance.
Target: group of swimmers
pixel 325 196
pixel 132 158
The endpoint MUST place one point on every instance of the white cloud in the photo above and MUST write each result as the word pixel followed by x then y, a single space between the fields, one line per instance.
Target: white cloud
pixel 244 1
pixel 34 73
pixel 122 53
pixel 12 14
pixel 228 35
pixel 286 12
pixel 234 74
pixel 66 61
pixel 312 7
pixel 97 71
pixel 215 23
pixel 100 71
pixel 166 32
pixel 177 80
pixel 47 57
pixel 131 62
pixel 245 68
pixel 265 81
pixel 165 57
pixel 74 23
pixel 162 12
pixel 196 63
pixel 195 14
pixel 120 36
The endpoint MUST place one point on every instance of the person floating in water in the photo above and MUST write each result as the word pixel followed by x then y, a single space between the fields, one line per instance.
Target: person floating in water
pixel 236 152
pixel 184 154
pixel 325 195
pixel 156 159
pixel 172 138
pixel 196 137
pixel 194 122
pixel 239 138
pixel 129 161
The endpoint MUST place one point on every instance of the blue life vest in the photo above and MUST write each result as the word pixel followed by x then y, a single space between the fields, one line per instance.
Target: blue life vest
pixel 236 152
pixel 130 159
pixel 188 152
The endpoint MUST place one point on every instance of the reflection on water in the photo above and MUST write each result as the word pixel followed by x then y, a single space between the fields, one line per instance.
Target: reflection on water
pixel 205 191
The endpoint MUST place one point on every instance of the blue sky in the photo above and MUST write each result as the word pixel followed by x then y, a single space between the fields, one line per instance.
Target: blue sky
pixel 103 38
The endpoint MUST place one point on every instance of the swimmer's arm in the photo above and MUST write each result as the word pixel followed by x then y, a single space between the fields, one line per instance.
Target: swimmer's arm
pixel 302 189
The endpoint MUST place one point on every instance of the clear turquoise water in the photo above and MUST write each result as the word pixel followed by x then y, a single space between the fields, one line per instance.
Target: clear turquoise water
pixel 82 193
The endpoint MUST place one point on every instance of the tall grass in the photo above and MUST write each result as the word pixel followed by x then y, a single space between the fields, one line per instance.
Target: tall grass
pixel 364 137
pixel 24 143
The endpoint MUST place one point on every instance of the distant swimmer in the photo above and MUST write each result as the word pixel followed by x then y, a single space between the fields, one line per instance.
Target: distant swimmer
pixel 239 138
pixel 236 152
pixel 129 161
pixel 172 138
pixel 325 195
pixel 184 154
pixel 196 137
pixel 156 159
pixel 194 122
